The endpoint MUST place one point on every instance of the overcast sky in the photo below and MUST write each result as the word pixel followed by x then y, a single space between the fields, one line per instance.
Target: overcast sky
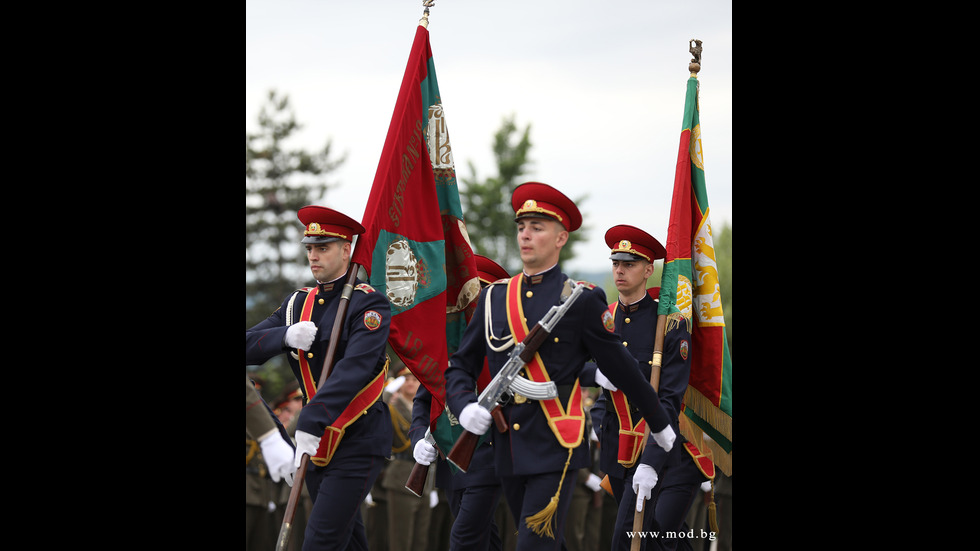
pixel 602 85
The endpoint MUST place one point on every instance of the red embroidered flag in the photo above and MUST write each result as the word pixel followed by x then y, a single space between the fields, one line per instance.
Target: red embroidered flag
pixel 415 248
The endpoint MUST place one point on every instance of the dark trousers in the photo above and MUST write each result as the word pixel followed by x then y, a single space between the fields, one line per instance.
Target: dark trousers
pixel 337 491
pixel 527 495
pixel 664 512
pixel 473 509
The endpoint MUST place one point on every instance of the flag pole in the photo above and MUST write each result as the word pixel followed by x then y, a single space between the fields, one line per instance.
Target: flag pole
pixel 658 346
pixel 335 332
pixel 416 479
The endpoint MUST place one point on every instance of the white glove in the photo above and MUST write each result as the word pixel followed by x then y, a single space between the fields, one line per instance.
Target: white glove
pixel 368 500
pixel 278 457
pixel 602 381
pixel 395 384
pixel 475 418
pixel 433 499
pixel 665 438
pixel 424 452
pixel 305 443
pixel 300 335
pixel 593 483
pixel 644 479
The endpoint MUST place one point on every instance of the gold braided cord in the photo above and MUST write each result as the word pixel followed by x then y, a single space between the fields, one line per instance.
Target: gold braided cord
pixel 400 424
pixel 541 522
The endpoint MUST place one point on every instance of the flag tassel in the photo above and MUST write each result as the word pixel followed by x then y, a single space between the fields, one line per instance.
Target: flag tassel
pixel 713 510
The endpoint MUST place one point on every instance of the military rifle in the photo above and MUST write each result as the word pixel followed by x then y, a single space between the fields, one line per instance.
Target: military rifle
pixel 416 480
pixel 508 379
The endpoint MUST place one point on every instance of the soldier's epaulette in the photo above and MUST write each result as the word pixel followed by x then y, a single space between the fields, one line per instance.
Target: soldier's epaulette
pixel 566 289
pixel 364 287
pixel 677 320
pixel 501 280
pixel 587 284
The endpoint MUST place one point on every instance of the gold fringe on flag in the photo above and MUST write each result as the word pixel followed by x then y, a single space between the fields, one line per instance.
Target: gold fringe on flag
pixel 702 406
pixel 695 435
pixel 541 522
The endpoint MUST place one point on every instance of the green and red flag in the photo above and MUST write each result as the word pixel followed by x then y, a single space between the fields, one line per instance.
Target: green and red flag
pixel 415 248
pixel 690 290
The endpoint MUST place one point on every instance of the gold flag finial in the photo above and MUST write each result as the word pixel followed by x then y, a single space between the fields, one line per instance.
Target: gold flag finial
pixel 695 49
pixel 425 16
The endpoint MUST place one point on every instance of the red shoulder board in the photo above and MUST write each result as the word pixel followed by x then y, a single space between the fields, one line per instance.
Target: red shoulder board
pixel 364 287
pixel 654 292
pixel 588 285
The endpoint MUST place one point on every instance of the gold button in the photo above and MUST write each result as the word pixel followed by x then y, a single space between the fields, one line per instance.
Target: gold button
pixel 309 354
pixel 529 294
pixel 625 343
pixel 627 320
pixel 321 302
pixel 517 426
pixel 556 339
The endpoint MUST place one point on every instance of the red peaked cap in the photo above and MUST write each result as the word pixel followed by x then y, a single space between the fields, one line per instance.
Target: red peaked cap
pixel 324 225
pixel 632 243
pixel 489 271
pixel 534 199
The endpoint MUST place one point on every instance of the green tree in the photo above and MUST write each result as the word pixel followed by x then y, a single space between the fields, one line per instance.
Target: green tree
pixel 278 182
pixel 486 203
pixel 723 257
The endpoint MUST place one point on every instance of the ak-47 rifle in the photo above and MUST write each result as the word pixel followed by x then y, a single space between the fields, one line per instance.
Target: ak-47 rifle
pixel 508 379
pixel 338 325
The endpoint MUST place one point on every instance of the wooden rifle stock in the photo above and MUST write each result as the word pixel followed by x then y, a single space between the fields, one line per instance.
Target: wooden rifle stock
pixel 298 478
pixel 658 348
pixel 416 479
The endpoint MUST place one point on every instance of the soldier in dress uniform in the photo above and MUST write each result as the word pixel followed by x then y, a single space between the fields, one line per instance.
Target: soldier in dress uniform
pixel 669 479
pixel 473 495
pixel 268 460
pixel 544 445
pixel 272 438
pixel 344 427
pixel 408 516
pixel 286 407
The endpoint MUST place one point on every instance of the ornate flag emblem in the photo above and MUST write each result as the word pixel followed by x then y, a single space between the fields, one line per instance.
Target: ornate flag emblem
pixel 401 274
